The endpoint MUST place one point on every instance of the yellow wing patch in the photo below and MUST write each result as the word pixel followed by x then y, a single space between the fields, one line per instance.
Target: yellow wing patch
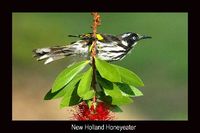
pixel 99 37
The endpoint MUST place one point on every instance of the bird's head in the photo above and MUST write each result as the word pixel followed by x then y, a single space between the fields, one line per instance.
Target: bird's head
pixel 131 38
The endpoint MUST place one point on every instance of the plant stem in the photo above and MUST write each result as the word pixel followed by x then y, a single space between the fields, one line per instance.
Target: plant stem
pixel 96 23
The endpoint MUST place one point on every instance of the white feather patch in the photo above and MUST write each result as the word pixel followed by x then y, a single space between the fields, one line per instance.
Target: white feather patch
pixel 41 50
pixel 112 46
pixel 112 49
pixel 126 35
pixel 48 60
pixel 43 57
pixel 53 59
pixel 124 43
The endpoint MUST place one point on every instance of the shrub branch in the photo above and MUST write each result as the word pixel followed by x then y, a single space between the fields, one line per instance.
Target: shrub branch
pixel 96 23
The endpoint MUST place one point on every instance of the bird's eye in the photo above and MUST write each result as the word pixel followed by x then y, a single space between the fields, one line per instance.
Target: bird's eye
pixel 134 38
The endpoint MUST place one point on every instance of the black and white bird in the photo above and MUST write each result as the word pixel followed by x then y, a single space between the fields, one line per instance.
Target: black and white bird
pixel 109 47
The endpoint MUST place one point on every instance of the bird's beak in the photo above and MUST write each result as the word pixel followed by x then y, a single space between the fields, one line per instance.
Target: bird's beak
pixel 143 37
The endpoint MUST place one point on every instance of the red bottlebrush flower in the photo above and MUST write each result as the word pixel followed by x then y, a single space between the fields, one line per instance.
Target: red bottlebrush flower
pixel 100 112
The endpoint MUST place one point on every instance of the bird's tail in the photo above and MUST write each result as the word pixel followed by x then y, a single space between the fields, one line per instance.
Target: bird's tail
pixel 53 53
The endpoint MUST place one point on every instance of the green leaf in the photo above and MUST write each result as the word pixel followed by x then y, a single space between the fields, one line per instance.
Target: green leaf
pixel 129 77
pixel 89 95
pixel 101 96
pixel 85 83
pixel 106 99
pixel 129 90
pixel 104 83
pixel 114 92
pixel 89 103
pixel 121 100
pixel 55 95
pixel 115 108
pixel 117 97
pixel 107 70
pixel 136 91
pixel 70 98
pixel 108 87
pixel 67 75
pixel 62 91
